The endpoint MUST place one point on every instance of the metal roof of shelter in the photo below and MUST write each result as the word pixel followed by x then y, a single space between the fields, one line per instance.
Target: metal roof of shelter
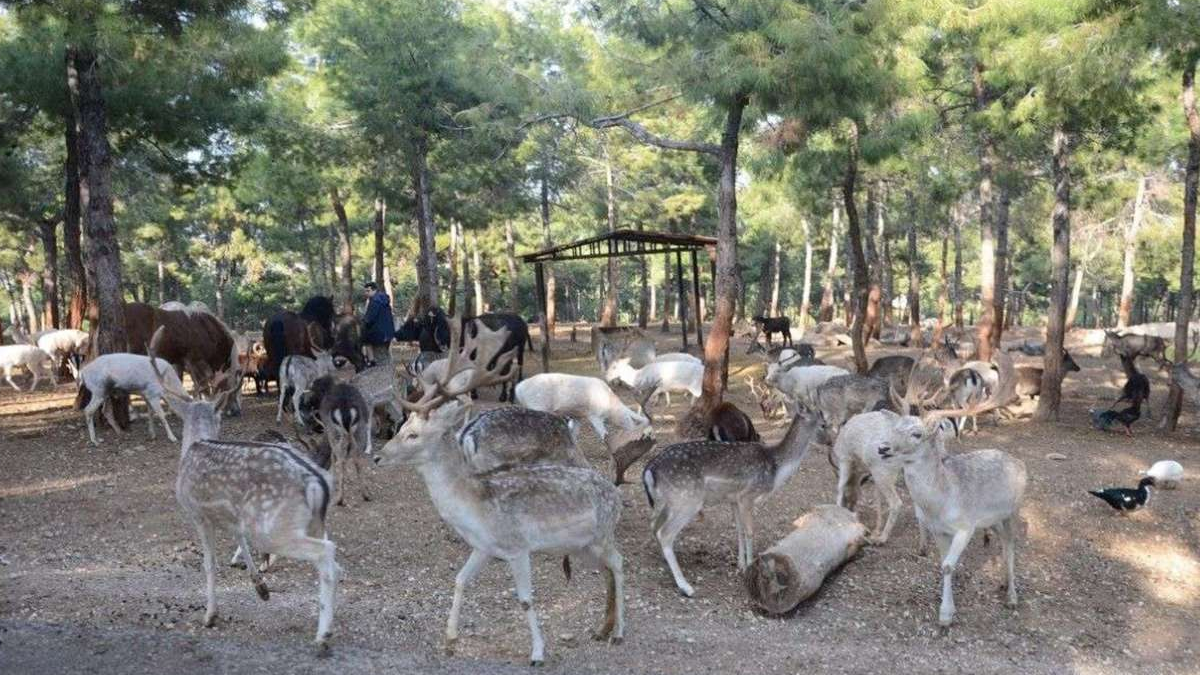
pixel 622 243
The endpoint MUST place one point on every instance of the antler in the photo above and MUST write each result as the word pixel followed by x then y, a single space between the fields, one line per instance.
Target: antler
pixel 152 352
pixel 1006 390
pixel 317 345
pixel 468 358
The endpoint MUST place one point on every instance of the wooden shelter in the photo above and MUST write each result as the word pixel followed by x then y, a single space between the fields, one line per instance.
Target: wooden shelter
pixel 621 244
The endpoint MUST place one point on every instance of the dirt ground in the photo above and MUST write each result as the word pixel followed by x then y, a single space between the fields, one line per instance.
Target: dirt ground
pixel 100 574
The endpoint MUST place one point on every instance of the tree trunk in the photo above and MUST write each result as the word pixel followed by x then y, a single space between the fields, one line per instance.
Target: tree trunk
pixel 874 268
pixel 162 281
pixel 31 315
pixel 805 302
pixel 861 282
pixel 427 268
pixel 331 238
pixel 510 255
pixel 666 294
pixel 943 291
pixel 914 281
pixel 987 230
pixel 645 301
pixel 477 269
pixel 776 272
pixel 95 189
pixel 551 312
pixel 958 269
pixel 49 237
pixel 1000 222
pixel 825 313
pixel 456 250
pixel 14 306
pixel 459 253
pixel 380 226
pixel 1131 233
pixel 610 316
pixel 716 346
pixel 1188 252
pixel 344 253
pixel 762 294
pixel 886 276
pixel 72 243
pixel 1060 265
pixel 1073 307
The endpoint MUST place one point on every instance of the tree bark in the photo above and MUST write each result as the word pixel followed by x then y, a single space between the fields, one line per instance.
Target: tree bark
pixel 825 313
pixel 887 278
pixel 344 252
pixel 459 253
pixel 1188 252
pixel 95 189
pixel 477 269
pixel 805 302
pixel 551 311
pixel 47 233
pixel 610 316
pixel 72 242
pixel 914 280
pixel 645 298
pixel 776 272
pixel 456 250
pixel 331 259
pixel 1131 232
pixel 861 282
pixel 874 268
pixel 510 255
pixel 943 291
pixel 1076 288
pixel 716 346
pixel 1060 264
pixel 31 314
pixel 958 269
pixel 987 231
pixel 1000 221
pixel 380 227
pixel 427 267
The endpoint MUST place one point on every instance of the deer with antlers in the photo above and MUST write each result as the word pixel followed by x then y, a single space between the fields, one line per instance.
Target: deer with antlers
pixel 513 512
pixel 265 494
pixel 956 495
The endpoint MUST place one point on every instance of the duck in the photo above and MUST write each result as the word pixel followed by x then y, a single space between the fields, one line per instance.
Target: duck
pixel 1167 474
pixel 1105 419
pixel 1125 500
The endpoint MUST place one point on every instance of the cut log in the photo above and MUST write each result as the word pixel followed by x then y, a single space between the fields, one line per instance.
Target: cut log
pixel 792 570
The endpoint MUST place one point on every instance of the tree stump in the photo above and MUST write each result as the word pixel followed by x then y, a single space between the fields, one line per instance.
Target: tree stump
pixel 794 568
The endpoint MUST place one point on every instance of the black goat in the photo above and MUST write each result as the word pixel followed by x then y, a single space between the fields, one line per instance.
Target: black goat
pixel 775 324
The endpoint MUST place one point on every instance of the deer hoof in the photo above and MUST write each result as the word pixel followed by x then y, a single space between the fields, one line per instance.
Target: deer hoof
pixel 535 663
pixel 323 649
pixel 263 592
pixel 615 640
pixel 449 646
pixel 210 621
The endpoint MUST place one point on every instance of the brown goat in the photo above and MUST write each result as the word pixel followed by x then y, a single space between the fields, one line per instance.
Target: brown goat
pixel 725 422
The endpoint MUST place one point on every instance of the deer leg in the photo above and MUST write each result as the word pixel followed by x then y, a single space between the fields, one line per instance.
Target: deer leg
pixel 613 629
pixel 155 405
pixel 279 409
pixel 737 528
pixel 36 372
pixel 886 490
pixel 745 512
pixel 523 579
pixel 248 559
pixel 8 377
pixel 1008 542
pixel 673 523
pixel 108 415
pixel 320 552
pixel 949 563
pixel 204 532
pixel 466 575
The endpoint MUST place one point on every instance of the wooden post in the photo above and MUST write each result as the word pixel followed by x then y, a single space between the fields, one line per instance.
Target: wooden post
pixel 540 276
pixel 682 298
pixel 696 300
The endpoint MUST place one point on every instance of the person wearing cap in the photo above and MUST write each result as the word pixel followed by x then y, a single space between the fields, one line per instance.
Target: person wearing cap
pixel 377 328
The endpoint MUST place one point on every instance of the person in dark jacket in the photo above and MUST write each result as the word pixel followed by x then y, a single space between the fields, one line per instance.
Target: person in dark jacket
pixel 377 323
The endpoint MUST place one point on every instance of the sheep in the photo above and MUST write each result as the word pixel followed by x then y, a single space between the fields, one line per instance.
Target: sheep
pixel 32 358
pixel 130 373
pixel 658 378
pixel 589 398
pixel 800 383
pixel 68 345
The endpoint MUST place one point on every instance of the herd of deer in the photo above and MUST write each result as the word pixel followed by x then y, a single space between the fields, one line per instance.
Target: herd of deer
pixel 511 480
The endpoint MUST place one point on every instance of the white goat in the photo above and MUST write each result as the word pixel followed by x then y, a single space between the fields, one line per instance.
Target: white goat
pixel 68 345
pixel 659 377
pixel 32 358
pixel 800 383
pixel 298 372
pixel 676 356
pixel 131 373
pixel 955 495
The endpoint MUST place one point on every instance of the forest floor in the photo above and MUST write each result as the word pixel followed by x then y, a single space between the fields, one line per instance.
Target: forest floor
pixel 98 572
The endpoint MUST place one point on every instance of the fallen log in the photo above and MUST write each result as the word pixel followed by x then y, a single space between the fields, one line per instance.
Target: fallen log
pixel 794 568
